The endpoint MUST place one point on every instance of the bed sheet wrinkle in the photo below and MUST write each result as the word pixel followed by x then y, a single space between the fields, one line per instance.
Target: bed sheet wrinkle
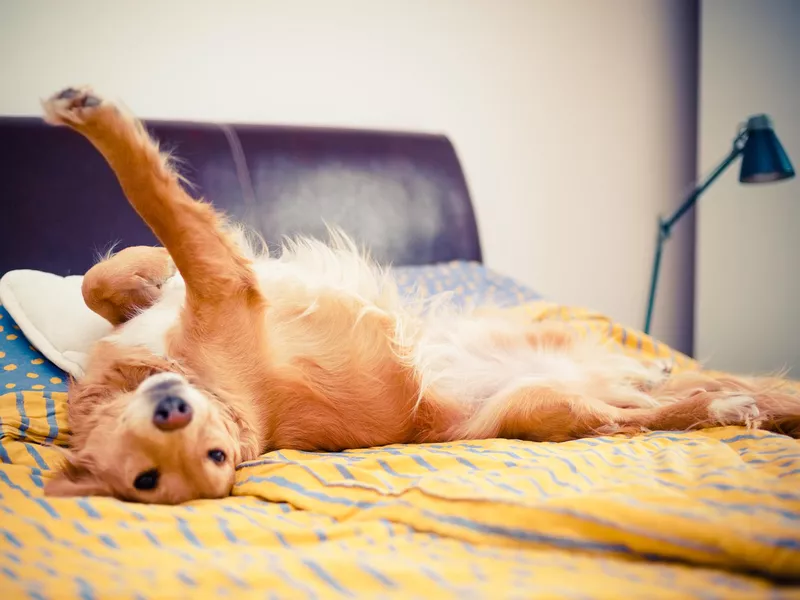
pixel 713 514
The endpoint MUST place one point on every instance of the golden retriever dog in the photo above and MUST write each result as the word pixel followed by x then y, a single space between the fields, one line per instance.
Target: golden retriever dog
pixel 221 352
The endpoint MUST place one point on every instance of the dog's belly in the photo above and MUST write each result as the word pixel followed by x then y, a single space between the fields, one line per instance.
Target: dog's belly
pixel 472 359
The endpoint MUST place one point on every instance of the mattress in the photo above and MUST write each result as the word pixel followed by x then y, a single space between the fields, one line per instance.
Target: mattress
pixel 713 514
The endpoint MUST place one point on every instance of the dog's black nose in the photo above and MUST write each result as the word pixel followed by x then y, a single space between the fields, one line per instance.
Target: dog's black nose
pixel 171 413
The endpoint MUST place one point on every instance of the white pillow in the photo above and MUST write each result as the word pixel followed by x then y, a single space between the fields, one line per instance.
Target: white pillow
pixel 50 311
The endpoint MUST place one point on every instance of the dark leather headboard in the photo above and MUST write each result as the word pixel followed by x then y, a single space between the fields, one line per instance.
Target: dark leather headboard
pixel 402 195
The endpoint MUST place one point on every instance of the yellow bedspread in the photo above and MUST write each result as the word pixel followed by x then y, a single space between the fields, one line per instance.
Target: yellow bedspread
pixel 712 514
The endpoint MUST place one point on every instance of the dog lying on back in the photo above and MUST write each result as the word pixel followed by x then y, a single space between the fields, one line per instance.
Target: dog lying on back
pixel 221 353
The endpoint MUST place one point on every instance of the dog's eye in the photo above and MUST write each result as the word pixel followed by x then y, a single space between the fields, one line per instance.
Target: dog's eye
pixel 218 456
pixel 146 481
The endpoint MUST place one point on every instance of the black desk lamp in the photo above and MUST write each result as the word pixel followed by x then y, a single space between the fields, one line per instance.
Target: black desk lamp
pixel 763 161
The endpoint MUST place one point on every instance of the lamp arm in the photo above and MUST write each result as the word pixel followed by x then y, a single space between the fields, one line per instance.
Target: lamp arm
pixel 738 148
pixel 665 225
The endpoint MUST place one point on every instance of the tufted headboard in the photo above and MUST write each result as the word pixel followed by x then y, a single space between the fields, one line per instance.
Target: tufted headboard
pixel 402 195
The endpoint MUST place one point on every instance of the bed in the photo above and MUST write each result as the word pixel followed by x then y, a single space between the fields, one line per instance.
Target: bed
pixel 712 514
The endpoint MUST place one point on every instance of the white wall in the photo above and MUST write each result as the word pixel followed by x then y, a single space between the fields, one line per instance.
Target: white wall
pixel 748 237
pixel 574 119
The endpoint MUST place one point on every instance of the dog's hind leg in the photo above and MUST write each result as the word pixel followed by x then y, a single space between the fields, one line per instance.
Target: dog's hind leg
pixel 766 402
pixel 540 414
pixel 546 414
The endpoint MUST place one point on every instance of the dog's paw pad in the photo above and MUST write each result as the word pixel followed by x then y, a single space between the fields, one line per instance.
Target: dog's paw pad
pixel 90 101
pixel 67 94
pixel 735 410
pixel 70 105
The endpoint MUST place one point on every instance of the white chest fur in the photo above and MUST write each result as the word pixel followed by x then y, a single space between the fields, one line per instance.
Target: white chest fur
pixel 150 327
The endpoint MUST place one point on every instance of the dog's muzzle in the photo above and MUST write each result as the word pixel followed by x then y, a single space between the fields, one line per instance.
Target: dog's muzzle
pixel 172 412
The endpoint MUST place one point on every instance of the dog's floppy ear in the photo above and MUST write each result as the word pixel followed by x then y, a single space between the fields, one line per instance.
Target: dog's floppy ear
pixel 75 479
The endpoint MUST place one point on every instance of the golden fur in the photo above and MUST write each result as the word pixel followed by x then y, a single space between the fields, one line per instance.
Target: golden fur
pixel 315 350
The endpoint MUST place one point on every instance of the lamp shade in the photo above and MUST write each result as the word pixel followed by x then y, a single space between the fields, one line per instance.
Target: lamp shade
pixel 763 157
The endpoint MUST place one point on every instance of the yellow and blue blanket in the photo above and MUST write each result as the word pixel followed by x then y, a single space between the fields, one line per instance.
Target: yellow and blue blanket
pixel 713 514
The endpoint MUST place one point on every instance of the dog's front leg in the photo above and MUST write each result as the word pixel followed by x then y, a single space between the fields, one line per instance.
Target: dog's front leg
pixel 208 259
pixel 224 305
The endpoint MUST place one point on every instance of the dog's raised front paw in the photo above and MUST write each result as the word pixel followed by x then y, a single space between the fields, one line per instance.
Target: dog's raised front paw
pixel 71 106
